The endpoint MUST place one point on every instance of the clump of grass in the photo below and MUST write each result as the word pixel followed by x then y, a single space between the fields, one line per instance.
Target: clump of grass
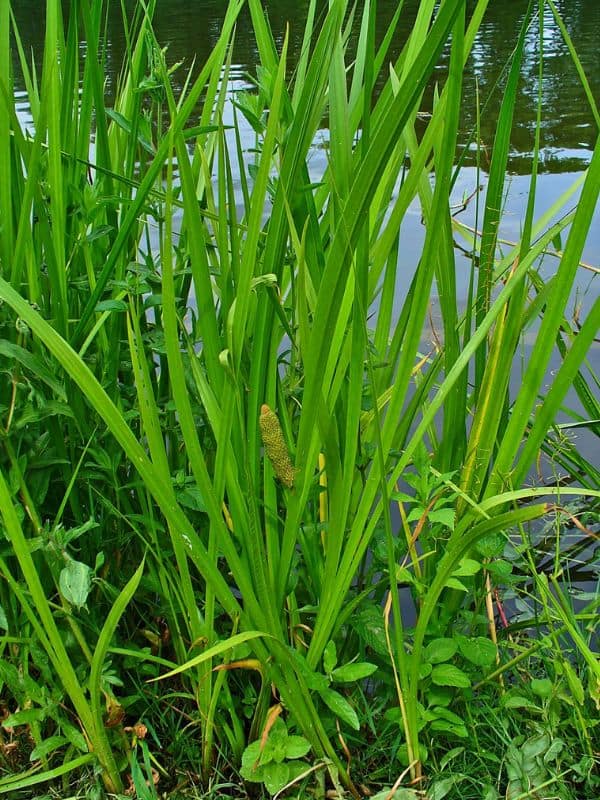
pixel 148 536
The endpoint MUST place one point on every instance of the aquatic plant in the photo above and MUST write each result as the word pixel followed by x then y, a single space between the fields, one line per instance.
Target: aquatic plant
pixel 205 422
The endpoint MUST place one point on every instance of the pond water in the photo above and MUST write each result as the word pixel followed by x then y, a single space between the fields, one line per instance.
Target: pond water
pixel 568 133
pixel 190 30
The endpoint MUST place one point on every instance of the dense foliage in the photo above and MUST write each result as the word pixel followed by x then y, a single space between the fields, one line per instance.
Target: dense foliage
pixel 255 530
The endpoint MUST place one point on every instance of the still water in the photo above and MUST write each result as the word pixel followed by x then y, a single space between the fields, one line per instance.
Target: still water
pixel 190 28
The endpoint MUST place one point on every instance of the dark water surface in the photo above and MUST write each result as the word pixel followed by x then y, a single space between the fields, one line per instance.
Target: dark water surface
pixel 190 28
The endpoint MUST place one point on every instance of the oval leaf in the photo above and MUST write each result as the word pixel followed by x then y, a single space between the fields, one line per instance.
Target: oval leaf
pixel 467 567
pixel 478 650
pixel 296 747
pixel 340 707
pixel 440 650
pixel 329 657
pixel 353 672
pixel 449 675
pixel 75 582
pixel 47 747
pixel 276 776
pixel 454 583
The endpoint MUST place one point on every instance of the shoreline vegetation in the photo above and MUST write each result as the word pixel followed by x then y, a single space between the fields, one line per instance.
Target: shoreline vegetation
pixel 258 539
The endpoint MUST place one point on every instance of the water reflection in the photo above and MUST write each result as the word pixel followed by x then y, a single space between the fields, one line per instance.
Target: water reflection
pixel 568 131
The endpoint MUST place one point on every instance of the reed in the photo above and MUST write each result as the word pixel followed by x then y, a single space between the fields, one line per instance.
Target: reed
pixel 204 421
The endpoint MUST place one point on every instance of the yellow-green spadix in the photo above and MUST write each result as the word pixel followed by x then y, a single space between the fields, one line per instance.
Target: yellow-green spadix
pixel 275 446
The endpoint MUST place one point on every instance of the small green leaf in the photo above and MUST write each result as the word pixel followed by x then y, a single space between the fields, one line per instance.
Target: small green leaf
pixel 402 755
pixel 99 562
pixel 454 583
pixel 448 722
pixel 536 746
pixel 296 747
pixel 329 657
pixel 575 684
pixel 251 769
pixel 368 624
pixel 449 675
pixel 217 649
pixel 25 717
pixel 75 582
pixel 275 746
pixel 340 707
pixel 111 305
pixel 199 130
pixel 403 497
pixel 75 737
pixel 467 567
pixel 276 776
pixel 404 575
pixel 478 650
pixel 33 364
pixel 295 769
pixel 98 233
pixel 542 687
pixel 119 119
pixel 450 756
pixel 500 569
pixel 152 301
pixel 191 498
pixel 314 680
pixel 491 546
pixel 125 125
pixel 3 620
pixel 416 514
pixel 51 408
pixel 443 516
pixel 446 714
pixel 424 670
pixel 249 106
pixel 46 747
pixel 66 536
pixel 449 727
pixel 555 749
pixel 440 695
pixel 353 672
pixel 399 794
pixel 518 701
pixel 440 650
pixel 440 789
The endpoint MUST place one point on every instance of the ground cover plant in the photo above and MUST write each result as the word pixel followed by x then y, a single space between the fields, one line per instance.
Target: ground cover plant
pixel 258 535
